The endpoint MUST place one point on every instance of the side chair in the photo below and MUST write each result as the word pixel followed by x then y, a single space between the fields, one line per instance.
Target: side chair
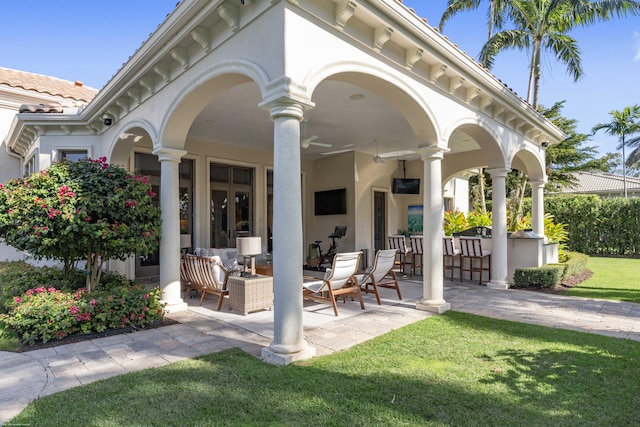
pixel 205 274
pixel 338 280
pixel 380 275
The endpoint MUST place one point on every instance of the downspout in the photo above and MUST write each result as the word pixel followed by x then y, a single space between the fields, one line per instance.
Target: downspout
pixel 15 156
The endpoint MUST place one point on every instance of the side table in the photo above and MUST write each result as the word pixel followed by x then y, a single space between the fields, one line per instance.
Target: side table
pixel 248 294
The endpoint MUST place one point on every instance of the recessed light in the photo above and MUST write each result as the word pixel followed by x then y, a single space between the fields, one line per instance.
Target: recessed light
pixel 356 96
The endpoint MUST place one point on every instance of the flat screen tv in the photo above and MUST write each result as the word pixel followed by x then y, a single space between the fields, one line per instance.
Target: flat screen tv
pixel 331 202
pixel 406 186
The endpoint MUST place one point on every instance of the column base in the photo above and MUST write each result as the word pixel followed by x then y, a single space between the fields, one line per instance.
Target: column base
pixel 437 307
pixel 175 306
pixel 498 284
pixel 284 359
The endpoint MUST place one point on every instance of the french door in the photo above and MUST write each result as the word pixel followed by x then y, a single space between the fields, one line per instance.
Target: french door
pixel 232 199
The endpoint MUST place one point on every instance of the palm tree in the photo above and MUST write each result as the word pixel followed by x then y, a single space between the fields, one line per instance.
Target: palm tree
pixel 544 24
pixel 495 16
pixel 625 123
pixel 495 19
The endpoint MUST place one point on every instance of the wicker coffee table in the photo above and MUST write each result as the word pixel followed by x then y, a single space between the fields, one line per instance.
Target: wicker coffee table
pixel 250 294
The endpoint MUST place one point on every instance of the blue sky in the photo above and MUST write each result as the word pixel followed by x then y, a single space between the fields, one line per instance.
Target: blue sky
pixel 89 41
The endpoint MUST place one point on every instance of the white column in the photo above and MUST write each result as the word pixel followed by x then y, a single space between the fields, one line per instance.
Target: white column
pixel 288 343
pixel 499 279
pixel 433 208
pixel 537 207
pixel 170 240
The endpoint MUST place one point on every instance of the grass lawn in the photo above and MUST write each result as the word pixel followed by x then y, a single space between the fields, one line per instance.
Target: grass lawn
pixel 615 279
pixel 455 369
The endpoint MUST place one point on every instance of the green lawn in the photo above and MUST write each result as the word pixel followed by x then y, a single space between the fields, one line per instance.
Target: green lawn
pixel 615 279
pixel 455 369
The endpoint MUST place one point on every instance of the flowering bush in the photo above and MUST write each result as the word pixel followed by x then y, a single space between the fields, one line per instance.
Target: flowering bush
pixel 16 277
pixel 81 210
pixel 43 314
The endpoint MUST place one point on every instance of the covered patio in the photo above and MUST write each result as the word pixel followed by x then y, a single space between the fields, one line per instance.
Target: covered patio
pixel 242 110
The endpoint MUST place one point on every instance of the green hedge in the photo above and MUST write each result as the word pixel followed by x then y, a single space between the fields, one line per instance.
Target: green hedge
pixel 598 226
pixel 550 275
pixel 546 276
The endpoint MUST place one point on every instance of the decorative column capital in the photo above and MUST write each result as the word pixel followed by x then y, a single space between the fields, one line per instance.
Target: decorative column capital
pixel 499 172
pixel 286 108
pixel 537 183
pixel 169 154
pixel 434 152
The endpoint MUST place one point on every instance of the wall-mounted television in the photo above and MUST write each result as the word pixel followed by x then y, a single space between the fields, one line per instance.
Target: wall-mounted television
pixel 405 186
pixel 331 202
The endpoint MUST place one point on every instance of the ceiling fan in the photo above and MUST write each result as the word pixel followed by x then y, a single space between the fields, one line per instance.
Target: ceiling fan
pixel 306 142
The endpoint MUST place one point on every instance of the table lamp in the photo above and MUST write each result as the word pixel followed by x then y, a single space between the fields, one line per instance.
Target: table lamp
pixel 249 247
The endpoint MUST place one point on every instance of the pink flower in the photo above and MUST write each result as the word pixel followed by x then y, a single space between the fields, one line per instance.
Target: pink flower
pixel 40 289
pixel 18 300
pixel 74 310
pixel 93 302
pixel 52 289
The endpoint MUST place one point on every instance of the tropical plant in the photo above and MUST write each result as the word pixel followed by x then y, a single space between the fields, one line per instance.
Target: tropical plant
pixel 479 219
pixel 624 123
pixel 544 25
pixel 86 210
pixel 495 15
pixel 454 221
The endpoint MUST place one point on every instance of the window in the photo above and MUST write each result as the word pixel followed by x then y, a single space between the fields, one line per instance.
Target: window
pixel 30 166
pixel 72 155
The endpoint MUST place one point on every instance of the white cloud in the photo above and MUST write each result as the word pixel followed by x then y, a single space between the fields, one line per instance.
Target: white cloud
pixel 636 46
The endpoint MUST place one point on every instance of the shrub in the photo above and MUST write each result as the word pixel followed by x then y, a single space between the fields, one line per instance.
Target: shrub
pixel 16 277
pixel 575 265
pixel 43 314
pixel 546 276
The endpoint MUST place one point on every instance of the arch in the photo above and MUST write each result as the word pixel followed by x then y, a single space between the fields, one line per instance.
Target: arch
pixel 488 150
pixel 389 86
pixel 530 162
pixel 129 134
pixel 199 92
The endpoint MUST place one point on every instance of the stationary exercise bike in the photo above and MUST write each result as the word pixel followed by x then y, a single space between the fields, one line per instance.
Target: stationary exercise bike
pixel 327 257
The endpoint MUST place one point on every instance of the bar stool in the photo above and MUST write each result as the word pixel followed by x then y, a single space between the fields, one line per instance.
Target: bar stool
pixel 472 249
pixel 416 249
pixel 449 253
pixel 399 242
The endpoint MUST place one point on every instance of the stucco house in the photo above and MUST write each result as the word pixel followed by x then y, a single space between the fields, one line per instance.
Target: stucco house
pixel 242 110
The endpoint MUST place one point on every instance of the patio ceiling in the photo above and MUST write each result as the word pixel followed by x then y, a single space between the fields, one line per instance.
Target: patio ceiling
pixel 345 116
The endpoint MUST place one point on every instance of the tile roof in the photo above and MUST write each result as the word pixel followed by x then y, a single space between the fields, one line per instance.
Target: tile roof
pixel 46 84
pixel 591 182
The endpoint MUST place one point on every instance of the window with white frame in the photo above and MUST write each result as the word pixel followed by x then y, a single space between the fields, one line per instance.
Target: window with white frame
pixel 71 155
pixel 30 166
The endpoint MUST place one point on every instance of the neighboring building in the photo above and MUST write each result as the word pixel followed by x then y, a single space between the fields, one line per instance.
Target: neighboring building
pixel 242 110
pixel 603 185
